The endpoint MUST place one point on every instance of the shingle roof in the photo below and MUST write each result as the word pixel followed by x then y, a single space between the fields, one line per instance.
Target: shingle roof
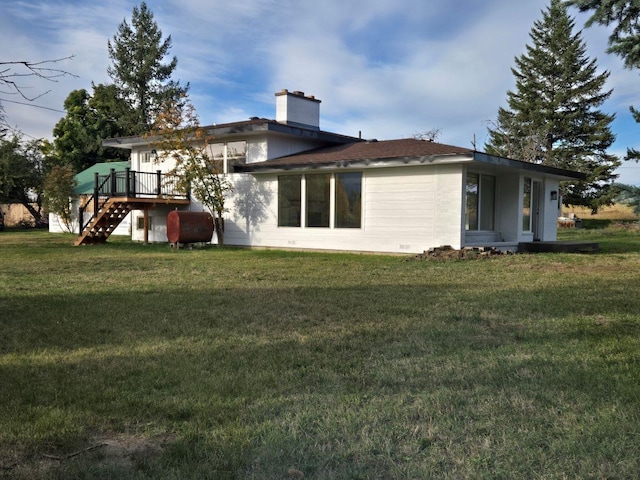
pixel 366 150
pixel 387 151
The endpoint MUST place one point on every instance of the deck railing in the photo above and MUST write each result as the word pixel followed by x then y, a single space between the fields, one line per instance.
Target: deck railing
pixel 129 184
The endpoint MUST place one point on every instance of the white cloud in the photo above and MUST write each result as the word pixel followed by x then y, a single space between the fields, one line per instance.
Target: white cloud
pixel 386 68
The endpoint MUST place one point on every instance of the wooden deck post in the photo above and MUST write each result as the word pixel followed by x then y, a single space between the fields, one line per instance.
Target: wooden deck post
pixel 96 201
pixel 112 177
pixel 127 182
pixel 146 225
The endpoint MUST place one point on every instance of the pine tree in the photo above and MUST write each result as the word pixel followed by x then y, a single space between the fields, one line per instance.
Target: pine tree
pixel 137 53
pixel 624 40
pixel 553 117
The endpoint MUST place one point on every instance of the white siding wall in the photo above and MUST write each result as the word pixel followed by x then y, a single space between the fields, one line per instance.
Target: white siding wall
pixel 158 230
pixel 449 208
pixel 261 149
pixel 405 210
pixel 57 226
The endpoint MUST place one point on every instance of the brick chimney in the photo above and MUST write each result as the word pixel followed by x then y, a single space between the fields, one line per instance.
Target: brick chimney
pixel 293 108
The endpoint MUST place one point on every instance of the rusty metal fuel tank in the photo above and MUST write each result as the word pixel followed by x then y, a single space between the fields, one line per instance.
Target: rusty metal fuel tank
pixel 189 227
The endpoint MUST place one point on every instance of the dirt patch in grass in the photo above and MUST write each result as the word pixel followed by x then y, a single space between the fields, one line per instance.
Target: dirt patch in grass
pixel 449 253
pixel 111 452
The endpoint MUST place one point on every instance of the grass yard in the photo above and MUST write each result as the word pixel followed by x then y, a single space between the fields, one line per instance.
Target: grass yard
pixel 127 361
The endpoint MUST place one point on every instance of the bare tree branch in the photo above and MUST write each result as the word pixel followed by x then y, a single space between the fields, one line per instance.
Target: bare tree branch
pixel 12 72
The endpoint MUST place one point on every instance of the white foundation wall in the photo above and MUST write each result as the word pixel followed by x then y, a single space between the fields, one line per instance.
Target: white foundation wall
pixel 158 230
pixel 404 210
pixel 56 225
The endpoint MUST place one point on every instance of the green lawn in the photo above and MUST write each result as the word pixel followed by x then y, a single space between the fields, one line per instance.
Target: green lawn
pixel 132 361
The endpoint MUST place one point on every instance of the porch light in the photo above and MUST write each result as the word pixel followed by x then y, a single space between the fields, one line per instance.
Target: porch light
pixel 554 195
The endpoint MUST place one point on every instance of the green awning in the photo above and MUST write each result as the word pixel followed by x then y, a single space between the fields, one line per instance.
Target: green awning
pixel 86 179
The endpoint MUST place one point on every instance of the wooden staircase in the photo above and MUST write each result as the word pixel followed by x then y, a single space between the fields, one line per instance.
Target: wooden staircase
pixel 116 194
pixel 106 221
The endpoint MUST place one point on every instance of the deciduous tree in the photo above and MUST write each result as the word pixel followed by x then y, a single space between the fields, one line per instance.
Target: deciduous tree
pixel 89 120
pixel 553 115
pixel 59 185
pixel 21 175
pixel 12 80
pixel 178 138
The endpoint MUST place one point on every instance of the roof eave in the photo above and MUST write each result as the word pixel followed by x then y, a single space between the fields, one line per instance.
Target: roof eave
pixel 271 167
pixel 533 167
pixel 237 129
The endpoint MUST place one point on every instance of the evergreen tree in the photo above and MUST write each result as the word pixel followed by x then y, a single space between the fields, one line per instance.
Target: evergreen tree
pixel 142 79
pixel 624 40
pixel 553 117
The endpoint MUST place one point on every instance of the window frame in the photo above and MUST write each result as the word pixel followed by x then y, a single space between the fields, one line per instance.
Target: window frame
pixel 330 215
pixel 220 152
pixel 482 201
pixel 527 210
pixel 140 222
pixel 324 200
pixel 291 202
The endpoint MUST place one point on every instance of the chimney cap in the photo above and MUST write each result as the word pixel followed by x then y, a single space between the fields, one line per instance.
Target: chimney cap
pixel 297 93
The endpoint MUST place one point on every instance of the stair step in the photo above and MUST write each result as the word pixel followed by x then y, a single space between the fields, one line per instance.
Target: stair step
pixel 104 224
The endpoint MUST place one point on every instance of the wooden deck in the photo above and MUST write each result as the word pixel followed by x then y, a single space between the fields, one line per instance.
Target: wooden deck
pixel 559 247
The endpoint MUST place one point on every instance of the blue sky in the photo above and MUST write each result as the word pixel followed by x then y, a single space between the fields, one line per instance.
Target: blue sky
pixel 388 69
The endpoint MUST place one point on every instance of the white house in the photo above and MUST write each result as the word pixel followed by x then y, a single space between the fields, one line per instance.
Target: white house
pixel 297 186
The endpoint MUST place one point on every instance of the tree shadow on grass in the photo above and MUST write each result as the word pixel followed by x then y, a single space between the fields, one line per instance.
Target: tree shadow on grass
pixel 221 368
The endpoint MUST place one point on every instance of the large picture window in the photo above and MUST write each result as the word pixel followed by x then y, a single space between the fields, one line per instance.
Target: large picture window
pixel 289 200
pixel 480 202
pixel 348 200
pixel 318 207
pixel 318 199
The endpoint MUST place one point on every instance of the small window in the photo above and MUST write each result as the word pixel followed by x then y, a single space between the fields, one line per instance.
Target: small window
pixel 140 223
pixel 226 155
pixel 236 154
pixel 145 157
pixel 216 155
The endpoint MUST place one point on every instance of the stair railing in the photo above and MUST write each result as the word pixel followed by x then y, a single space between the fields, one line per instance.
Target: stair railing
pixel 98 186
pixel 127 184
